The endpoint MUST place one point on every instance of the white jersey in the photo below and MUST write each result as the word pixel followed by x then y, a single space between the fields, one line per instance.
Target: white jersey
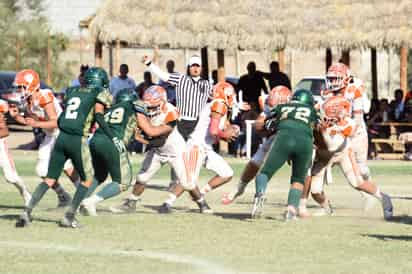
pixel 36 104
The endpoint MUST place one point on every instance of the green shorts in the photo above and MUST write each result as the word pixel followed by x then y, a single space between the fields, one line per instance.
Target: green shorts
pixel 107 160
pixel 293 146
pixel 71 147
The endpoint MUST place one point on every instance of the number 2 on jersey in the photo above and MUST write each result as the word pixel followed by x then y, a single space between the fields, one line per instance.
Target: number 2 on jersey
pixel 301 113
pixel 71 108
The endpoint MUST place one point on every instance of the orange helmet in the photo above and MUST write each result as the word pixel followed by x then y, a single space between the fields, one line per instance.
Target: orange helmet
pixel 335 108
pixel 27 81
pixel 225 92
pixel 155 98
pixel 337 77
pixel 278 95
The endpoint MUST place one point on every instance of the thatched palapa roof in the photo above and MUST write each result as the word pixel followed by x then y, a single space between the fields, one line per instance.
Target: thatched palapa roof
pixel 257 25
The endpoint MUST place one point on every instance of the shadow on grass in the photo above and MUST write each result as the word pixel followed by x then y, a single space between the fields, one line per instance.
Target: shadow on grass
pixel 236 216
pixel 11 207
pixel 384 237
pixel 402 219
pixel 15 217
pixel 158 187
pixel 401 198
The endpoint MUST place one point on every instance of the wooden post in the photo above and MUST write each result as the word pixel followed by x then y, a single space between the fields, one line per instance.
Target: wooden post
pixel 205 63
pixel 220 58
pixel 328 59
pixel 281 59
pixel 17 53
pixel 237 56
pixel 404 69
pixel 98 53
pixel 374 72
pixel 49 73
pixel 117 55
pixel 345 57
pixel 111 59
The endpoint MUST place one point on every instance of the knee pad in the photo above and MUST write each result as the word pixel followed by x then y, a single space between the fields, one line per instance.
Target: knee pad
pixel 365 172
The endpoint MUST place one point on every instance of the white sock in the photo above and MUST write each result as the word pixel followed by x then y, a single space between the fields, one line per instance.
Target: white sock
pixel 134 197
pixel 205 189
pixel 94 199
pixel 302 203
pixel 378 194
pixel 172 198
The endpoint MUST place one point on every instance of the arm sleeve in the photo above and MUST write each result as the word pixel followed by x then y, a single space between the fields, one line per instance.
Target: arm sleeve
pixel 171 78
pixel 99 117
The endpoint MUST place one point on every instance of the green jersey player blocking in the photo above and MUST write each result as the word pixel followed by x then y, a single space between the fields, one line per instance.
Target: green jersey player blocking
pixel 294 124
pixel 83 106
pixel 123 118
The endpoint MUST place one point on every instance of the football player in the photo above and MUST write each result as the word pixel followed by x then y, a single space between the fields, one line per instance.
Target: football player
pixel 6 161
pixel 213 126
pixel 123 118
pixel 160 151
pixel 336 128
pixel 83 105
pixel 41 110
pixel 278 95
pixel 294 123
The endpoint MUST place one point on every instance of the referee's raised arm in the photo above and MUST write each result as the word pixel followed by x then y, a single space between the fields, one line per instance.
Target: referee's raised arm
pixel 192 92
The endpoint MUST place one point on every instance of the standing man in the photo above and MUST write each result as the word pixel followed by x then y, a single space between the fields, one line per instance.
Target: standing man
pixel 252 85
pixel 122 81
pixel 170 89
pixel 275 77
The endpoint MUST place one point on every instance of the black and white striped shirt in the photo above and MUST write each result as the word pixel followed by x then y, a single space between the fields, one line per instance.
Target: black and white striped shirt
pixel 191 95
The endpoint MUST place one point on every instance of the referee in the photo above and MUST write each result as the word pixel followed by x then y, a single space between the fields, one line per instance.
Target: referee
pixel 192 92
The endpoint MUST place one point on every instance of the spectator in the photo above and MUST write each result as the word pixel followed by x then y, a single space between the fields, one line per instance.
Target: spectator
pixel 381 115
pixel 397 106
pixel 147 82
pixel 275 77
pixel 251 85
pixel 171 91
pixel 122 81
pixel 405 130
pixel 79 81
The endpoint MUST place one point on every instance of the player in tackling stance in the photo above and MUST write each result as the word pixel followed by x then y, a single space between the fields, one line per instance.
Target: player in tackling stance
pixel 83 105
pixel 123 118
pixel 294 123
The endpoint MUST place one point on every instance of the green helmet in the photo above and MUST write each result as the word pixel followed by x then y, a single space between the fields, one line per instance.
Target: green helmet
pixel 125 95
pixel 303 96
pixel 96 77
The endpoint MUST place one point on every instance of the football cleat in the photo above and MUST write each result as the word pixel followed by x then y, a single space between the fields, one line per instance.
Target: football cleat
pixel 324 211
pixel 24 219
pixel 289 215
pixel 387 207
pixel 69 221
pixel 257 210
pixel 128 206
pixel 165 208
pixel 204 207
pixel 88 208
pixel 64 200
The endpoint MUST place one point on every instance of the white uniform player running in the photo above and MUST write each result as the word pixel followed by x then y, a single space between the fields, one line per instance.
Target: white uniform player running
pixel 335 148
pixel 6 161
pixel 41 110
pixel 278 95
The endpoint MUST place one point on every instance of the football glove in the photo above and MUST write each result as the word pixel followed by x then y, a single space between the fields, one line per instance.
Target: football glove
pixel 119 144
pixel 270 124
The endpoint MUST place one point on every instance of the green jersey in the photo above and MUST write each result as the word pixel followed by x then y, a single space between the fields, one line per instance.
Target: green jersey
pixel 121 119
pixel 79 104
pixel 295 116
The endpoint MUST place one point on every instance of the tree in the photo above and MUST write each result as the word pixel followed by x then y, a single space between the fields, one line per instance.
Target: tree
pixel 26 40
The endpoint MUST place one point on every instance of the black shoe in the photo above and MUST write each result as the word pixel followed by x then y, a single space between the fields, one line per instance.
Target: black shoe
pixel 69 221
pixel 204 207
pixel 165 208
pixel 24 219
pixel 387 207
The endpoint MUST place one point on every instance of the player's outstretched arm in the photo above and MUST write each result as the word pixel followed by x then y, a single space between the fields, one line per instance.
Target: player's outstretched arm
pixel 51 122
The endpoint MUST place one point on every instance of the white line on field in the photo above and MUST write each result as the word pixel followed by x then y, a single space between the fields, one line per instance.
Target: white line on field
pixel 202 266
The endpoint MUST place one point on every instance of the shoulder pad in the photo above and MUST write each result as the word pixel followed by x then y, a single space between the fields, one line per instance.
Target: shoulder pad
pixel 46 96
pixel 218 106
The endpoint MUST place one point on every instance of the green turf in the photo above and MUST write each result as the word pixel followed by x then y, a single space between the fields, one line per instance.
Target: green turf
pixel 352 241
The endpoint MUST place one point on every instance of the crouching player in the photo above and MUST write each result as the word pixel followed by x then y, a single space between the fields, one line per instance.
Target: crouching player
pixel 213 126
pixel 336 129
pixel 278 95
pixel 123 118
pixel 83 105
pixel 294 124
pixel 6 161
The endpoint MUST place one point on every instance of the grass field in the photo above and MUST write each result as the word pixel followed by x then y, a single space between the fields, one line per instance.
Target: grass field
pixel 352 241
